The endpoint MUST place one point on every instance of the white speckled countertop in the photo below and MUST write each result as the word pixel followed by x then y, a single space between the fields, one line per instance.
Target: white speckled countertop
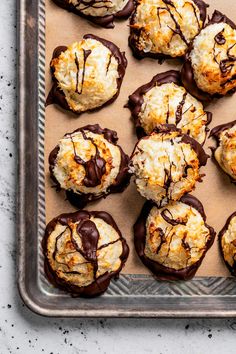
pixel 24 332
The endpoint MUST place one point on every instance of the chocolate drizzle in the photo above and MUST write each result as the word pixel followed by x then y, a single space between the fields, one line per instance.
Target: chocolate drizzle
pixel 89 235
pixel 160 271
pixel 136 33
pixel 195 14
pixel 177 29
pixel 187 73
pixel 170 220
pixel 109 63
pixel 86 55
pixel 136 100
pixel 232 269
pixel 163 239
pixel 103 21
pixel 77 74
pixel 219 38
pixel 179 110
pixel 95 168
pixel 227 64
pixel 57 96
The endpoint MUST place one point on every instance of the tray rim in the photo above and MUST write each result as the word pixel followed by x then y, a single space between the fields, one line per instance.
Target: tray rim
pixel 31 26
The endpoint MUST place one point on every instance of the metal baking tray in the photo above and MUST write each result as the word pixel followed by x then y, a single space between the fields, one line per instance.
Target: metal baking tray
pixel 132 295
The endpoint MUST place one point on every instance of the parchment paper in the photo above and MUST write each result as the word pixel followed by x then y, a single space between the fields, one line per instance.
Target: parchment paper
pixel 216 192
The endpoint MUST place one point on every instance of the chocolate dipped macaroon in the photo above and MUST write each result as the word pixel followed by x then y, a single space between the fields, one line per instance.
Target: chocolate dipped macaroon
pixel 227 241
pixel 87 75
pixel 164 28
pixel 172 241
pixel 100 12
pixel 166 165
pixel 225 152
pixel 83 252
pixel 209 69
pixel 88 164
pixel 164 100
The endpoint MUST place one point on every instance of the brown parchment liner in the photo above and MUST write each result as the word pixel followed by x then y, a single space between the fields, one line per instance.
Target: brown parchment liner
pixel 216 192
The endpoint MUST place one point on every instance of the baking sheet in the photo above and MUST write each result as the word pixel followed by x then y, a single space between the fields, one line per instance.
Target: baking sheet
pixel 216 192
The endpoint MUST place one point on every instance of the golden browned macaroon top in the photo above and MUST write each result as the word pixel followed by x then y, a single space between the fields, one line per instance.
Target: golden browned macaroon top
pixel 166 27
pixel 87 73
pixel 176 236
pixel 75 150
pixel 73 262
pixel 165 166
pixel 213 59
pixel 172 104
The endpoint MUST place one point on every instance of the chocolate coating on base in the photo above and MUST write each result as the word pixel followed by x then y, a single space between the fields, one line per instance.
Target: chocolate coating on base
pixel 101 284
pixel 103 21
pixel 136 99
pixel 187 74
pixel 122 179
pixel 160 271
pixel 218 17
pixel 56 95
pixel 140 54
pixel 202 156
pixel 221 234
pixel 215 133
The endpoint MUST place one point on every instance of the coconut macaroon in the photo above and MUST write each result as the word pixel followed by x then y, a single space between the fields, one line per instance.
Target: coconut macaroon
pixel 210 65
pixel 164 28
pixel 225 153
pixel 172 241
pixel 227 240
pixel 88 164
pixel 87 74
pixel 100 12
pixel 166 164
pixel 164 101
pixel 83 251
